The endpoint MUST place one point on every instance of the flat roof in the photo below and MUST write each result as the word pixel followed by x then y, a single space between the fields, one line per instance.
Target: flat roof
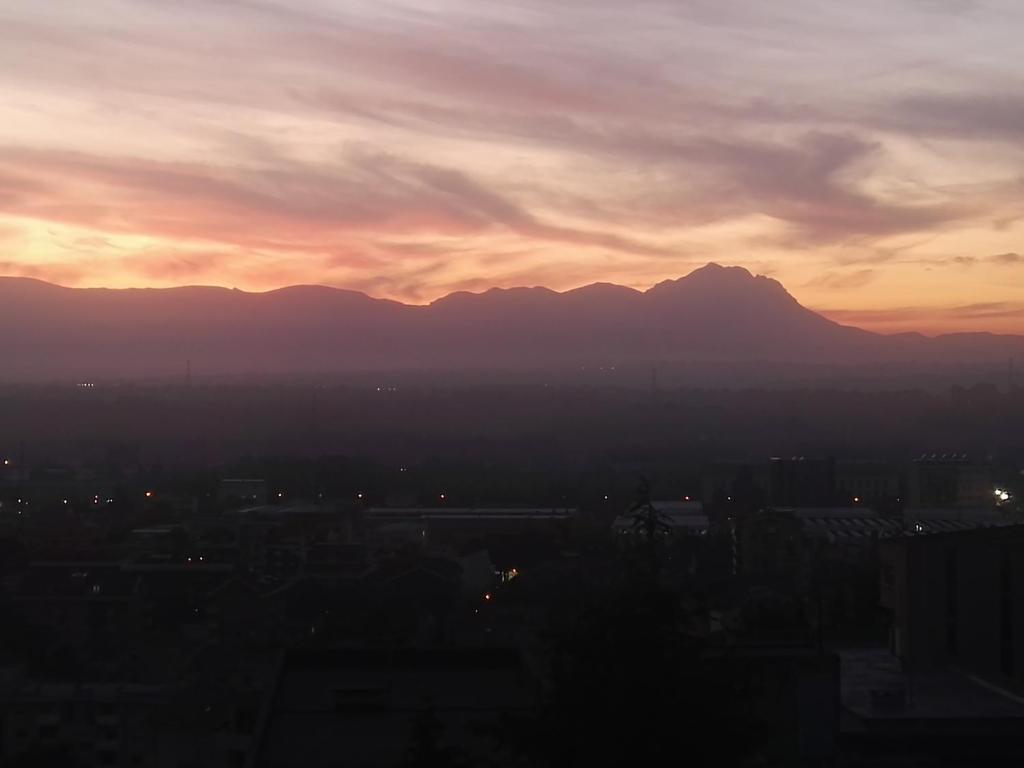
pixel 458 513
pixel 868 674
pixel 285 509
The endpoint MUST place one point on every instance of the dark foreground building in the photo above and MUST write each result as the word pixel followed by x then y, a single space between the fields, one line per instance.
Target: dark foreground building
pixel 955 600
pixel 378 707
pixel 949 690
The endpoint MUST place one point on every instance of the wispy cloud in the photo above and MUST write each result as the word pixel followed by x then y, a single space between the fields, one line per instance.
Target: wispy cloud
pixel 1001 316
pixel 843 281
pixel 1010 258
pixel 413 147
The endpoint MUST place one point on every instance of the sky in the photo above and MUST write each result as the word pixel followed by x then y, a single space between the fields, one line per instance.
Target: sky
pixel 868 154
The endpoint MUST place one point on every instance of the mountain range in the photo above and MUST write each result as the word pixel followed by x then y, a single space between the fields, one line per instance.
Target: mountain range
pixel 715 314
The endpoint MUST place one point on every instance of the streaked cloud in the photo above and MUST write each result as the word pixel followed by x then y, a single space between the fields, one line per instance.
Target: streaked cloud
pixel 985 316
pixel 863 153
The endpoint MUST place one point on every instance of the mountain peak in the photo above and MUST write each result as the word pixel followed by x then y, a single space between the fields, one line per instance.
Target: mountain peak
pixel 716 313
pixel 715 271
pixel 717 279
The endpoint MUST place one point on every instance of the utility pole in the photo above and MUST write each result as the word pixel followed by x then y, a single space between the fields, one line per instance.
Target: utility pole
pixel 21 474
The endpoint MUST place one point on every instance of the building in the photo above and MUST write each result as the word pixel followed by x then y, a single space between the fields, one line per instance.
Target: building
pixel 107 605
pixel 725 481
pixel 941 717
pixel 410 524
pixel 955 601
pixel 362 707
pixel 954 481
pixel 99 724
pixel 872 483
pixel 802 482
pixel 237 490
pixel 205 719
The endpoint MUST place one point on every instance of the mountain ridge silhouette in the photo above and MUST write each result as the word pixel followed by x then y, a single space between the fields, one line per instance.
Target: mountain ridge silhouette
pixel 714 314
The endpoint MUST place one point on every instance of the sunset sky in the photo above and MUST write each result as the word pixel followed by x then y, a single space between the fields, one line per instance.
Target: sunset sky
pixel 869 154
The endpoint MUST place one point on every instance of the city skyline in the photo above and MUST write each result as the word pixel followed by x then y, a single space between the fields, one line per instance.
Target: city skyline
pixel 866 157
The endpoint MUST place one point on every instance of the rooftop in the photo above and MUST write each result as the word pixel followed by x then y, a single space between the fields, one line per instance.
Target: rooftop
pixel 470 513
pixel 875 687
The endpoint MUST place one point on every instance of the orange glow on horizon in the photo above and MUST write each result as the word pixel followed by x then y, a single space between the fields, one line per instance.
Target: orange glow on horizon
pixel 863 156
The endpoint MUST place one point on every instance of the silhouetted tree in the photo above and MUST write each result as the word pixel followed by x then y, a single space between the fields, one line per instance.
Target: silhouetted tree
pixel 648 521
